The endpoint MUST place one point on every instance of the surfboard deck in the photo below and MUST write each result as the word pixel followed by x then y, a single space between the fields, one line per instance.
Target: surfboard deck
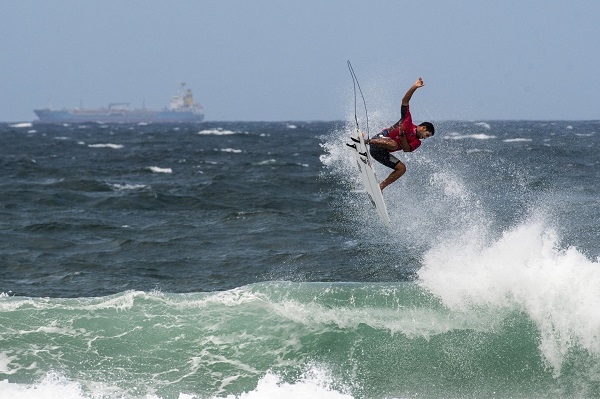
pixel 367 175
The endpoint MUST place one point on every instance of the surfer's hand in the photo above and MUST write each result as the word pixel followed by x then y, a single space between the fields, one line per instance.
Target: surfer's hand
pixel 419 83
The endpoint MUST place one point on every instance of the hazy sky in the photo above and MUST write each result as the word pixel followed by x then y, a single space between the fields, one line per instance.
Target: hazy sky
pixel 259 60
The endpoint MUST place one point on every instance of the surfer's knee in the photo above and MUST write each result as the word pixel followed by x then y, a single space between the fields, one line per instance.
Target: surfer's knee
pixel 400 168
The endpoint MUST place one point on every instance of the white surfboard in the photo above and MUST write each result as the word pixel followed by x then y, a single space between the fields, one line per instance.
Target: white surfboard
pixel 367 175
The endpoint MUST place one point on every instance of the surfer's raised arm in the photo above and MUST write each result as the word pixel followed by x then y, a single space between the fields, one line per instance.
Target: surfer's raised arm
pixel 411 91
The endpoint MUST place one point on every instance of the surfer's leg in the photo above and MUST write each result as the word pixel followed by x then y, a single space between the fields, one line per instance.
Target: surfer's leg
pixel 399 170
pixel 383 156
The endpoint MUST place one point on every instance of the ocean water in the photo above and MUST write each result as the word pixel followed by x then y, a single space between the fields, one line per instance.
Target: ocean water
pixel 242 260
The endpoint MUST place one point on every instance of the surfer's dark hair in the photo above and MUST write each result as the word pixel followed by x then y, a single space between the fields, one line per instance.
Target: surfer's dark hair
pixel 429 127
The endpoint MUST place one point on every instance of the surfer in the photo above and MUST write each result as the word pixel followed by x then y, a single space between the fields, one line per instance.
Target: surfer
pixel 402 135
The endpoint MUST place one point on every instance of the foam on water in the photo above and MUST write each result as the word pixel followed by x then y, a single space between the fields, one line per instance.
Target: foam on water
pixel 316 383
pixel 52 387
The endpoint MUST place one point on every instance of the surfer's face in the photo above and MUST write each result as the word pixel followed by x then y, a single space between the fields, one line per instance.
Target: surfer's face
pixel 423 133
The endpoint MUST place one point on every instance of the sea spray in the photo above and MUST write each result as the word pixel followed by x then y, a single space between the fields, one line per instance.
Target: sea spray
pixel 526 270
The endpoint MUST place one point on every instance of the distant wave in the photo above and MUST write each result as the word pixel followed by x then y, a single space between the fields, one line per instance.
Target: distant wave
pixel 477 150
pixel 479 136
pixel 517 140
pixel 20 125
pixel 267 162
pixel 120 187
pixel 484 125
pixel 156 169
pixel 232 150
pixel 216 132
pixel 113 146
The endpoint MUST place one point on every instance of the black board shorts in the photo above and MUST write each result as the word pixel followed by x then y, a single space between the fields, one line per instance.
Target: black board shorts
pixel 383 156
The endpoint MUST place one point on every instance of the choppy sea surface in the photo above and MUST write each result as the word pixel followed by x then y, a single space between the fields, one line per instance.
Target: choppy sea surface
pixel 242 260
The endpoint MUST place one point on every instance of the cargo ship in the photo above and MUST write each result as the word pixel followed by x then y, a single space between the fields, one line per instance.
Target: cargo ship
pixel 182 109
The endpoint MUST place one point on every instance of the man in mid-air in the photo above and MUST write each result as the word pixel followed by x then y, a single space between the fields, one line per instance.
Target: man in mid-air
pixel 402 135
